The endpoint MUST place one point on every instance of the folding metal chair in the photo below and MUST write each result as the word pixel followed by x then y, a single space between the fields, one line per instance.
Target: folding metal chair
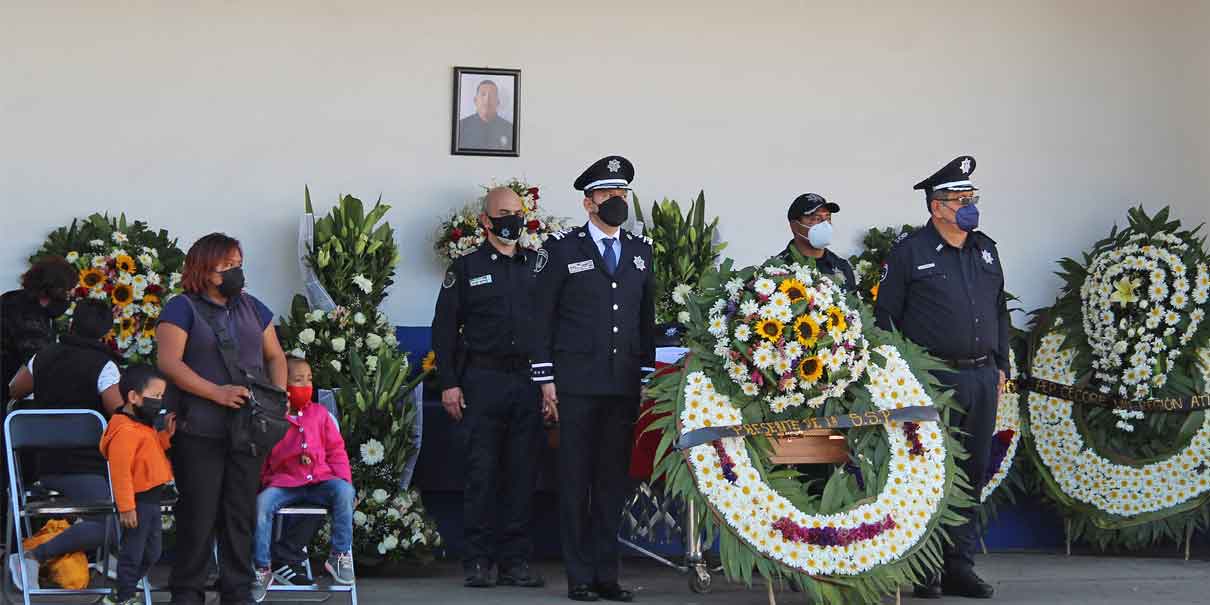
pixel 334 587
pixel 53 429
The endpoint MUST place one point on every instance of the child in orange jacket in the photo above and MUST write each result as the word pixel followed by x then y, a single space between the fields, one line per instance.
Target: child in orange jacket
pixel 138 470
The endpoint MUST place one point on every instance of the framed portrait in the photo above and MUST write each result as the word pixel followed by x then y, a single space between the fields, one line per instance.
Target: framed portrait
pixel 485 120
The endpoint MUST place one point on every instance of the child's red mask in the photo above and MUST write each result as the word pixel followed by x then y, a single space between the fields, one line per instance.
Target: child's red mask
pixel 300 397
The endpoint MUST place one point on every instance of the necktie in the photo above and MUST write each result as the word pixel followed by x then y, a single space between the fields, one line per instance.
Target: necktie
pixel 611 259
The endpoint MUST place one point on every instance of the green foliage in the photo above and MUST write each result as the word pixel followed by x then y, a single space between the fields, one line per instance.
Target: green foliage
pixel 683 248
pixel 370 407
pixel 351 249
pixel 867 265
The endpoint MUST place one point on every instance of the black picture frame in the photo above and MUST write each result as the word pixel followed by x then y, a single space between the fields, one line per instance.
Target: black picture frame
pixel 470 134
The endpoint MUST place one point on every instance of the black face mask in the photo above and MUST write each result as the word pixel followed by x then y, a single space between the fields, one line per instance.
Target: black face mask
pixel 233 282
pixel 613 211
pixel 56 307
pixel 507 228
pixel 149 411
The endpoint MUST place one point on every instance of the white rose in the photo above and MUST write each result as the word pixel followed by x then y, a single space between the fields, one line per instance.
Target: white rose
pixel 393 514
pixel 382 549
pixel 314 316
pixel 683 317
pixel 359 318
pixel 380 495
pixel 359 518
pixel 338 344
pixel 391 542
pixel 307 336
pixel 390 340
pixel 373 341
pixel 336 364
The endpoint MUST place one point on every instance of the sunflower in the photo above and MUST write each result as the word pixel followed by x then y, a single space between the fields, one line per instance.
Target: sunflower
pixel 124 263
pixel 122 295
pixel 810 369
pixel 151 299
pixel 92 277
pixel 126 327
pixel 770 329
pixel 836 320
pixel 429 363
pixel 806 331
pixel 794 289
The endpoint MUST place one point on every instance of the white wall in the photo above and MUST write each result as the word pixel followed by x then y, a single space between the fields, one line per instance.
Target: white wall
pixel 211 116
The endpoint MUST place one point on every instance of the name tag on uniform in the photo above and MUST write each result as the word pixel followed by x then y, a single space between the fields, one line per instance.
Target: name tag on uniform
pixel 584 265
pixel 920 268
pixel 481 280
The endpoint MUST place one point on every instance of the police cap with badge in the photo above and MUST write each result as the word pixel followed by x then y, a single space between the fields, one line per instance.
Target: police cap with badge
pixel 609 172
pixel 955 176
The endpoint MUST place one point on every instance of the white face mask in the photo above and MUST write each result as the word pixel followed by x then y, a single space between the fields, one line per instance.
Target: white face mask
pixel 819 235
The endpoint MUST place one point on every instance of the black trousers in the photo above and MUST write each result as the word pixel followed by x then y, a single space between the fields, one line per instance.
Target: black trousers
pixel 501 435
pixel 594 459
pixel 296 534
pixel 975 390
pixel 218 488
pixel 140 545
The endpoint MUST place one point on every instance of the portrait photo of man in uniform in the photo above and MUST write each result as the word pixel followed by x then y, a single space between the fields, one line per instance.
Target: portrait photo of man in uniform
pixel 485 111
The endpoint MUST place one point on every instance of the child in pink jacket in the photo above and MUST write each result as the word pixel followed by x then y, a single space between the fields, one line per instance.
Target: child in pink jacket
pixel 308 466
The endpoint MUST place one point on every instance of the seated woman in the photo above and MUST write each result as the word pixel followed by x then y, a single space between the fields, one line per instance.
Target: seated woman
pixel 77 373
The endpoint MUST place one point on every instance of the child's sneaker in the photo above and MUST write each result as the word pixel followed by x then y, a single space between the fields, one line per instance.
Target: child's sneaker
pixel 340 565
pixel 261 584
pixel 292 575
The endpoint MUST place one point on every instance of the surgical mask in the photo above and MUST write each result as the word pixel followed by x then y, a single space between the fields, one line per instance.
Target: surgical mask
pixel 613 211
pixel 233 282
pixel 967 218
pixel 507 228
pixel 149 411
pixel 820 235
pixel 300 396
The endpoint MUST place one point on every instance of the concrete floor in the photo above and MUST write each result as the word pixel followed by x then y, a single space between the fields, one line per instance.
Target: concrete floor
pixel 1019 578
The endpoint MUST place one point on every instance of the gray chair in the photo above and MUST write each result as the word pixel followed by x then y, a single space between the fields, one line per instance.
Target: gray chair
pixel 334 587
pixel 53 429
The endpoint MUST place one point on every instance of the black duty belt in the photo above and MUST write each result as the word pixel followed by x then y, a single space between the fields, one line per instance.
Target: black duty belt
pixel 968 364
pixel 500 363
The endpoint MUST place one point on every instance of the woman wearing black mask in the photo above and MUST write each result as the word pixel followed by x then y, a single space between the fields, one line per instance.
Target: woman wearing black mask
pixel 27 313
pixel 218 483
pixel 79 372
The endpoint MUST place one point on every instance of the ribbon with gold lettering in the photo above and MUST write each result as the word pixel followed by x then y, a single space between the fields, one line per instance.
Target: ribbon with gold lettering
pixel 778 428
pixel 1082 396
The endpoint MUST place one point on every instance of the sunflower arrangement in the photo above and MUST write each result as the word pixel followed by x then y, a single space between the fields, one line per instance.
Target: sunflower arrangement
pixel 460 233
pixel 789 339
pixel 126 264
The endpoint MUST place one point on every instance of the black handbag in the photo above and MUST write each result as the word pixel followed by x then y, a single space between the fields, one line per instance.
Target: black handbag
pixel 260 423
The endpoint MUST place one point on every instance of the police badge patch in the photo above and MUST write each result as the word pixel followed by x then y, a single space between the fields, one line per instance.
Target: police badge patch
pixel 540 262
pixel 450 280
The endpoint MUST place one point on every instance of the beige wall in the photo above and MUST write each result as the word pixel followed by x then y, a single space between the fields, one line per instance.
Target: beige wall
pixel 211 116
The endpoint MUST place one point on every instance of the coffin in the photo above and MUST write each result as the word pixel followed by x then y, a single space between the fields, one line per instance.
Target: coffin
pixel 814 446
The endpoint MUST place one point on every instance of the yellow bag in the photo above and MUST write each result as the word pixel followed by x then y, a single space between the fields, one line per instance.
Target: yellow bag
pixel 68 571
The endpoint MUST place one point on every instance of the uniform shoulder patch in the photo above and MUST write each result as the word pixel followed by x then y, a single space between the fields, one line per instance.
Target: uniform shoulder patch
pixel 561 234
pixel 542 260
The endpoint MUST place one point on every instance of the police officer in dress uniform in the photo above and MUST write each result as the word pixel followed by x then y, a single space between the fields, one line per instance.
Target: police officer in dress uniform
pixel 595 333
pixel 485 129
pixel 481 335
pixel 943 288
pixel 810 217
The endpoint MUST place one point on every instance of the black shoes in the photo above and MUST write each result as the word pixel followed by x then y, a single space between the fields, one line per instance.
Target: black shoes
pixel 520 575
pixel 583 592
pixel 966 583
pixel 614 592
pixel 479 575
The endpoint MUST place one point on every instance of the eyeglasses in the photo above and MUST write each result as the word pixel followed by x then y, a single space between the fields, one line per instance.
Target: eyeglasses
pixel 969 200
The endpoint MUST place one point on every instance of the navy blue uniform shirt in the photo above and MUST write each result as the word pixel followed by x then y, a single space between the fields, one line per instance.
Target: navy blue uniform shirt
pixel 483 308
pixel 828 264
pixel 594 332
pixel 949 300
